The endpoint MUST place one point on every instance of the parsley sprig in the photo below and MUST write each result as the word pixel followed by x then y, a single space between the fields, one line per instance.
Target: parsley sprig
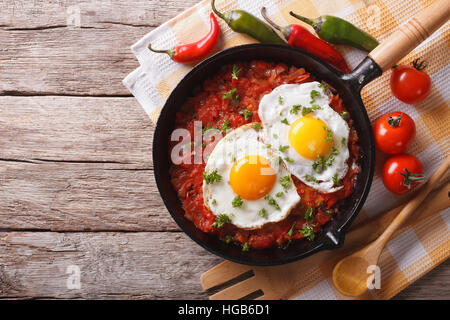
pixel 212 177
pixel 221 219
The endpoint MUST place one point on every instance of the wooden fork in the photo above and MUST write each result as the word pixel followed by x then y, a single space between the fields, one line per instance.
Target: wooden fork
pixel 283 282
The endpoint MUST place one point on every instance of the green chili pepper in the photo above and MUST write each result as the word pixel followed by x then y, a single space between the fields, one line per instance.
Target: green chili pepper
pixel 243 22
pixel 339 31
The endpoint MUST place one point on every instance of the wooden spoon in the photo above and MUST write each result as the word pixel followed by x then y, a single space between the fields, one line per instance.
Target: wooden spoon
pixel 350 274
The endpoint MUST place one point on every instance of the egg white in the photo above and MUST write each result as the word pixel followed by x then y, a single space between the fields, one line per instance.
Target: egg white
pixel 277 106
pixel 218 196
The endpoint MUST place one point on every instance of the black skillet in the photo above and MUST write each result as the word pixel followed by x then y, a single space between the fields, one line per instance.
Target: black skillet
pixel 347 85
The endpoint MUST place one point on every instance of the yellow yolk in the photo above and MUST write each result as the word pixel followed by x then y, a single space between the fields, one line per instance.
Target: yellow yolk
pixel 252 177
pixel 308 136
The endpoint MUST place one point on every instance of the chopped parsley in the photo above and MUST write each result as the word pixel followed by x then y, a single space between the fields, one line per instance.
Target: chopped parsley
pixel 247 114
pixel 322 163
pixel 263 213
pixel 279 194
pixel 245 247
pixel 329 136
pixel 214 201
pixel 323 87
pixel 308 232
pixel 318 203
pixel 275 136
pixel 285 182
pixel 314 95
pixel 212 177
pixel 228 238
pixel 336 181
pixel 296 108
pixel 283 148
pixel 309 214
pixel 329 211
pixel 237 202
pixel 287 159
pixel 221 219
pixel 256 126
pixel 344 114
pixel 343 141
pixel 225 126
pixel 291 230
pixel 235 73
pixel 272 202
pixel 232 95
pixel 285 121
pixel 307 110
pixel 311 178
pixel 268 146
pixel 280 100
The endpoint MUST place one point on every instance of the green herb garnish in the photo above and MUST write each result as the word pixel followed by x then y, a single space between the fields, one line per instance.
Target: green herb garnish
pixel 285 121
pixel 283 148
pixel 285 182
pixel 314 95
pixel 228 238
pixel 214 201
pixel 309 214
pixel 263 212
pixel 329 136
pixel 322 163
pixel 232 95
pixel 280 100
pixel 272 202
pixel 245 247
pixel 256 126
pixel 296 108
pixel 336 181
pixel 221 219
pixel 308 232
pixel 291 230
pixel 212 177
pixel 247 114
pixel 343 141
pixel 344 114
pixel 311 178
pixel 237 202
pixel 235 73
pixel 287 159
pixel 225 126
pixel 307 110
pixel 279 194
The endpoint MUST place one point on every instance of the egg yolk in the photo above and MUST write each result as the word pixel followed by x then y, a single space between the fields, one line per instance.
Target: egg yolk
pixel 252 177
pixel 310 137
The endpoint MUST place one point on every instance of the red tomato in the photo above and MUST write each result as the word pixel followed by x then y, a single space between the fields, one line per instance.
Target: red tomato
pixel 402 173
pixel 410 84
pixel 394 132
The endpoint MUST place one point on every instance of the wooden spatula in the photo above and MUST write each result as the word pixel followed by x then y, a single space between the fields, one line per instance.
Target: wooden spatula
pixel 282 282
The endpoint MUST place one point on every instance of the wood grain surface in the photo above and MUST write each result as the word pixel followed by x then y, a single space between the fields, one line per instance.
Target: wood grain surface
pixel 76 172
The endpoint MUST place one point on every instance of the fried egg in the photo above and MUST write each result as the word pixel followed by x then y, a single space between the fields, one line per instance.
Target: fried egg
pixel 245 181
pixel 310 137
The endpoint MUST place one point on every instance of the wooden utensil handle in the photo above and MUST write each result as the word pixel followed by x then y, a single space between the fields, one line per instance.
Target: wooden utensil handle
pixel 411 34
pixel 414 203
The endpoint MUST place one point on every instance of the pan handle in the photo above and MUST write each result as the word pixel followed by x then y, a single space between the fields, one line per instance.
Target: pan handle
pixel 411 34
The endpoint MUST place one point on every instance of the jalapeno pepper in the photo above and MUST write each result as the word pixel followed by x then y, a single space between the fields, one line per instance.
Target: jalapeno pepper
pixel 300 37
pixel 339 31
pixel 195 51
pixel 243 22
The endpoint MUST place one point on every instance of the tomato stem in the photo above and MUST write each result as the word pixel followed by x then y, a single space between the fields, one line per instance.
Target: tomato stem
pixel 394 121
pixel 411 178
pixel 419 65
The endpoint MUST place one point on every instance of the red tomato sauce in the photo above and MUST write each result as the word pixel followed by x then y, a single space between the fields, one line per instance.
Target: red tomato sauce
pixel 255 79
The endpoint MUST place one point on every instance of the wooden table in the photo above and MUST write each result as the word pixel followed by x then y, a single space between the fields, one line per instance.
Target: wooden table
pixel 77 190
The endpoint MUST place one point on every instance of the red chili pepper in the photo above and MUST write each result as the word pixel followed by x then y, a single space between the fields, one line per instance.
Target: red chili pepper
pixel 195 51
pixel 300 37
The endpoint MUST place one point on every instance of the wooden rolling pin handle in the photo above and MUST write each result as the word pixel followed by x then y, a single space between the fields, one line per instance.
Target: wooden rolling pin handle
pixel 411 34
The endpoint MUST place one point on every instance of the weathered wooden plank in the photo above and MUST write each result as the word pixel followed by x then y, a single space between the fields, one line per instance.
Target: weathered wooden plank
pixel 41 55
pixel 112 265
pixel 126 265
pixel 76 129
pixel 25 14
pixel 80 196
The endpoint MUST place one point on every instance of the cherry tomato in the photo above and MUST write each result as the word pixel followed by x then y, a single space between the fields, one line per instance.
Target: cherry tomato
pixel 402 173
pixel 394 132
pixel 410 84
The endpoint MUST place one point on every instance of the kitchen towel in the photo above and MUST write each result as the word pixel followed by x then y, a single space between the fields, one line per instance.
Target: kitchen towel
pixel 419 248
